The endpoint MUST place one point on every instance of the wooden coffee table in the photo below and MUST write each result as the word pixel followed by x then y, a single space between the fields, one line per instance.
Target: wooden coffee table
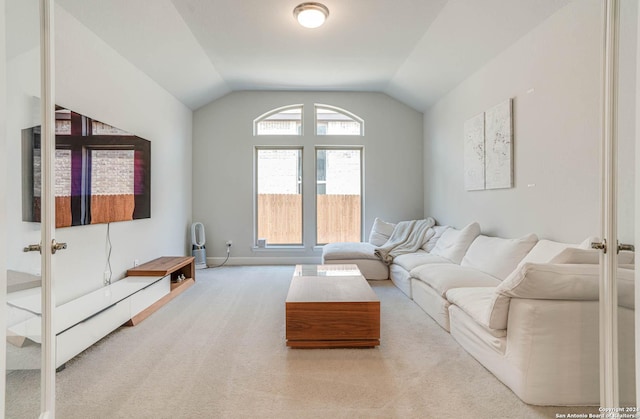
pixel 331 306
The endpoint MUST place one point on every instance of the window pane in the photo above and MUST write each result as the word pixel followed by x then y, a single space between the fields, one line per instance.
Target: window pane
pixel 99 128
pixel 279 189
pixel 63 122
pixel 112 185
pixel 338 195
pixel 283 122
pixel 333 122
pixel 63 188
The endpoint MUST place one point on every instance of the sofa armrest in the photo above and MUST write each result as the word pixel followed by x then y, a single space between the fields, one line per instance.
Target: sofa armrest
pixel 544 281
pixel 565 282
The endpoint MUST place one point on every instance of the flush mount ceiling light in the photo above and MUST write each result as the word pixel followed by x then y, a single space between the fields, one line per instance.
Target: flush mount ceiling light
pixel 311 15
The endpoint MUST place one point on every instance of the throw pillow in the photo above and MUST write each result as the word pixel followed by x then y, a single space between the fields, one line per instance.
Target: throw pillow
pixel 380 232
pixel 453 244
pixel 497 256
pixel 437 233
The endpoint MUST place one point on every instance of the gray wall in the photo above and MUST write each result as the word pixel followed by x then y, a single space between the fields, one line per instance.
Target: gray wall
pixel 553 75
pixel 223 147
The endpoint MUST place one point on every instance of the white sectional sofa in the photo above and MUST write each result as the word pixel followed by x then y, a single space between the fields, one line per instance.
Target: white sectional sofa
pixel 526 309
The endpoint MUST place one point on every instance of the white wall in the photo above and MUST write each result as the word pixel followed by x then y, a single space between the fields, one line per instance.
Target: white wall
pixel 92 79
pixel 637 204
pixel 223 147
pixel 3 201
pixel 554 76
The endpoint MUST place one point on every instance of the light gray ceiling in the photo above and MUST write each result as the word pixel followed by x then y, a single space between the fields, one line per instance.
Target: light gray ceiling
pixel 413 50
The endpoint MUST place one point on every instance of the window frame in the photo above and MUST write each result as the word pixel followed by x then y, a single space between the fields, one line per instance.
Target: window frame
pixel 257 149
pixel 267 114
pixel 342 111
pixel 359 148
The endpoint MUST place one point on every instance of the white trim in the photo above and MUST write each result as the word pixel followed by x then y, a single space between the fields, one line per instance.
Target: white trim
pixel 270 260
pixel 279 249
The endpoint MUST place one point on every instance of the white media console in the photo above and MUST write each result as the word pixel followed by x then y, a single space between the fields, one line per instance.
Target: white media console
pixel 82 322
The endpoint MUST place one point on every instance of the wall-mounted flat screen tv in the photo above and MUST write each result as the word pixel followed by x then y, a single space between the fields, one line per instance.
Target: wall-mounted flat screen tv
pixel 102 174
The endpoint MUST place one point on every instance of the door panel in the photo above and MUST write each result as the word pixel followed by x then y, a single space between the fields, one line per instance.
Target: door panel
pixel 28 386
pixel 23 348
pixel 617 288
pixel 625 122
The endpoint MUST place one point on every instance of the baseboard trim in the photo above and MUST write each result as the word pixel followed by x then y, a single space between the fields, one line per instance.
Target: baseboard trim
pixel 265 260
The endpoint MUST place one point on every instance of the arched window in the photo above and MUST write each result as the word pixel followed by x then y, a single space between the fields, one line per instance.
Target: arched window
pixel 281 121
pixel 278 185
pixel 331 120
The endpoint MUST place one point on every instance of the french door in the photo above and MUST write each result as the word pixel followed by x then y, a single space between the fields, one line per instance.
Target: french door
pixel 620 221
pixel 27 348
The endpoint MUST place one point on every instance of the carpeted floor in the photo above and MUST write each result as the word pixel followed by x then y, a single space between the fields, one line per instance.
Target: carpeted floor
pixel 218 351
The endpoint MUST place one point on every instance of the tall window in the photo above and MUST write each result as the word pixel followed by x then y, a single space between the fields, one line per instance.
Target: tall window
pixel 338 195
pixel 282 121
pixel 335 121
pixel 279 195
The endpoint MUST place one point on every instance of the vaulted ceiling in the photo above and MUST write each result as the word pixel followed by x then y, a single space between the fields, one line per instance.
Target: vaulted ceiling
pixel 413 50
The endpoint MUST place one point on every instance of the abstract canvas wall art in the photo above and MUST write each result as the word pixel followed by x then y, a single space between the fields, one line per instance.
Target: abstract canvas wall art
pixel 474 153
pixel 498 146
pixel 488 149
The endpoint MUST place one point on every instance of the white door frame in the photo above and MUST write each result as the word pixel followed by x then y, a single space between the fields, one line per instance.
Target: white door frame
pixel 609 395
pixel 47 406
pixel 637 209
pixel 48 225
pixel 3 234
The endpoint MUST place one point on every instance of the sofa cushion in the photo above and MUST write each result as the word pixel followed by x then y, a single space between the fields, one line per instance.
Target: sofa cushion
pixel 589 256
pixel 476 302
pixel 544 250
pixel 437 233
pixel 453 244
pixel 444 276
pixel 497 256
pixel 348 250
pixel 380 232
pixel 579 256
pixel 412 260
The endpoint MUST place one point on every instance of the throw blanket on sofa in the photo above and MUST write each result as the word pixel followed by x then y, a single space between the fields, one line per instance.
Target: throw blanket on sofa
pixel 407 237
